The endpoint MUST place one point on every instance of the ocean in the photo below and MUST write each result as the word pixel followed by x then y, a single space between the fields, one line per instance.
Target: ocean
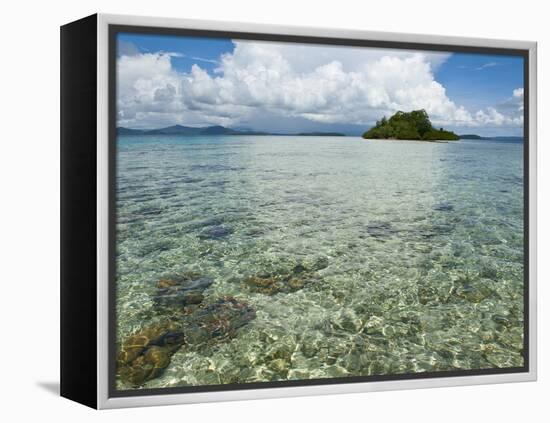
pixel 354 257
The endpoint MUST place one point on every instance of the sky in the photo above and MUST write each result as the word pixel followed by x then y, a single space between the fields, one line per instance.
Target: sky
pixel 290 87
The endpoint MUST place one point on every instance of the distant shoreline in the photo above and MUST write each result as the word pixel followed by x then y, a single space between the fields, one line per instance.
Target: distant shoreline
pixel 217 130
pixel 328 135
pixel 396 139
pixel 223 131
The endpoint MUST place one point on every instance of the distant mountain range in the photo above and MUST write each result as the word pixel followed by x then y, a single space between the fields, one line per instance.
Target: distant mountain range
pixel 211 130
pixel 479 137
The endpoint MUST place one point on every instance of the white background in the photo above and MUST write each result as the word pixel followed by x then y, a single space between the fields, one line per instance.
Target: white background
pixel 29 167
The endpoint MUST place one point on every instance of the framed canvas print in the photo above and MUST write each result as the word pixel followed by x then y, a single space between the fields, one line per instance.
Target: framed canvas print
pixel 254 211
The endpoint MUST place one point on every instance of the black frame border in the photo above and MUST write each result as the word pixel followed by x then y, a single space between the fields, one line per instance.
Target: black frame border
pixel 115 29
pixel 78 211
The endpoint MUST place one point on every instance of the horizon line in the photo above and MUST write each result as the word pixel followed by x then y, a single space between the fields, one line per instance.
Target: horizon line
pixel 269 132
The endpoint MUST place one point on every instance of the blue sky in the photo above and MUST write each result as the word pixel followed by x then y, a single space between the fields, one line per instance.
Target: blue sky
pixel 479 80
pixel 287 87
pixel 204 51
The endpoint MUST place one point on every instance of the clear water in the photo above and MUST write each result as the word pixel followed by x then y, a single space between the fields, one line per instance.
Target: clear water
pixel 424 243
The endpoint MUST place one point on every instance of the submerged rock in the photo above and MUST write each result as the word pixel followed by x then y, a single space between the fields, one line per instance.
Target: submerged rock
pixel 279 366
pixel 215 232
pixel 285 280
pixel 264 285
pixel 380 229
pixel 320 264
pixel 444 207
pixel 145 354
pixel 273 284
pixel 501 320
pixel 472 293
pixel 348 321
pixel 488 271
pixel 299 268
pixel 218 320
pixel 192 297
pixel 181 290
pixel 294 284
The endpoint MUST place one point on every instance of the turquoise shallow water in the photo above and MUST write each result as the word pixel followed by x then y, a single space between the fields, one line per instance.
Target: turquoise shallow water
pixel 421 245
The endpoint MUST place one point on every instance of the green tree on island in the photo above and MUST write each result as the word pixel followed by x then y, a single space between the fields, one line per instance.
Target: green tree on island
pixel 415 125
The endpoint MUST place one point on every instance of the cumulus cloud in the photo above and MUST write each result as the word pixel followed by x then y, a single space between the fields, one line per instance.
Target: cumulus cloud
pixel 126 48
pixel 325 84
pixel 507 113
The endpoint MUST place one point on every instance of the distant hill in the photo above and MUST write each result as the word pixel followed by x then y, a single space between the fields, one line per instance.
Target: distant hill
pixel 186 130
pixel 211 130
pixel 128 131
pixel 222 130
pixel 415 125
pixel 471 137
pixel 507 138
pixel 171 130
pixel 320 134
pixel 217 130
pixel 499 138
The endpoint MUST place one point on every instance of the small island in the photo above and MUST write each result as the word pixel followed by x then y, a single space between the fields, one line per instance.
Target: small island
pixel 415 125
